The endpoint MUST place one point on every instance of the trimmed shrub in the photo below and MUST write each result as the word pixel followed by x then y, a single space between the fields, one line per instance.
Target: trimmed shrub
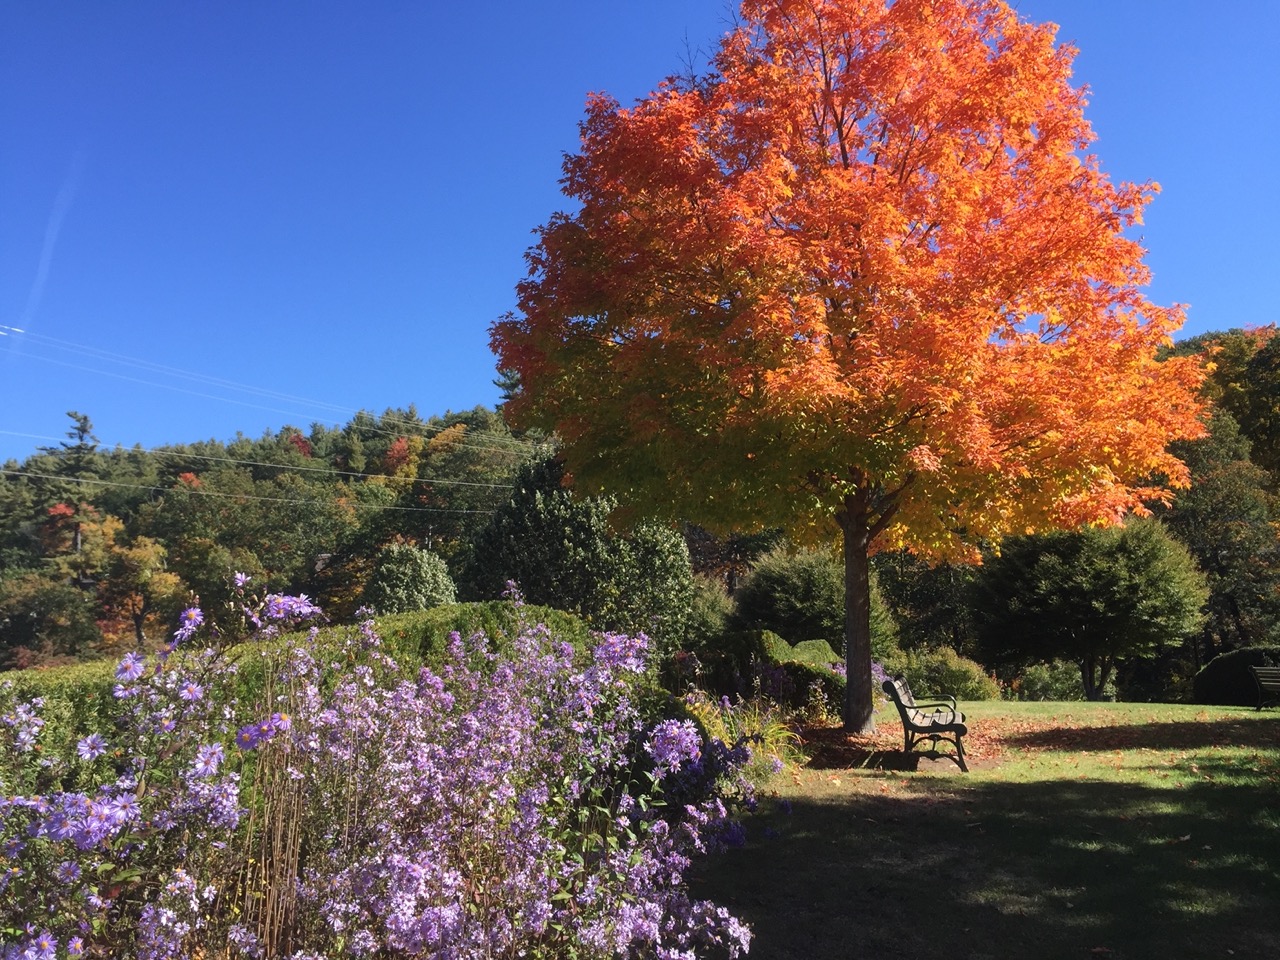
pixel 760 661
pixel 1226 681
pixel 79 697
pixel 817 653
pixel 406 578
pixel 942 670
pixel 423 636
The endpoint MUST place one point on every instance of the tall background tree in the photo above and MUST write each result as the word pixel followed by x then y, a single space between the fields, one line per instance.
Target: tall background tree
pixel 1094 596
pixel 863 278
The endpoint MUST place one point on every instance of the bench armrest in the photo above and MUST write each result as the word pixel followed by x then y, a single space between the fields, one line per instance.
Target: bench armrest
pixel 942 700
pixel 938 714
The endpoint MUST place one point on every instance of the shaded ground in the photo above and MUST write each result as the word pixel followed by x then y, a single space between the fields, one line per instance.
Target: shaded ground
pixel 1123 841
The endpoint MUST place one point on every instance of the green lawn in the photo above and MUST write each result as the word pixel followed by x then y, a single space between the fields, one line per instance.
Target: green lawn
pixel 1119 831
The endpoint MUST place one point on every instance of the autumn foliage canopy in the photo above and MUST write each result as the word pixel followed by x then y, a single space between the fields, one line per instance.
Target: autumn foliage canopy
pixel 865 270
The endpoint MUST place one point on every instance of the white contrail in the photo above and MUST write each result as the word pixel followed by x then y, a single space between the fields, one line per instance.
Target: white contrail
pixel 61 204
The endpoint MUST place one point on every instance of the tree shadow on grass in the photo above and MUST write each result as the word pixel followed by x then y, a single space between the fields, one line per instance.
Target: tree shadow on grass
pixel 828 757
pixel 978 870
pixel 830 748
pixel 1178 735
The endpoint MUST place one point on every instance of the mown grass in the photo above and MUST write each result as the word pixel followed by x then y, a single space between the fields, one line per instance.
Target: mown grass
pixel 1121 831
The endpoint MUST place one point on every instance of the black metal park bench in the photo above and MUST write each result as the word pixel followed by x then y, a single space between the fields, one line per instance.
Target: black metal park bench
pixel 1268 679
pixel 936 720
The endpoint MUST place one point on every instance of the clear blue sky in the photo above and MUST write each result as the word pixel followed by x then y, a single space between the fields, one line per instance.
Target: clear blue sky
pixel 240 215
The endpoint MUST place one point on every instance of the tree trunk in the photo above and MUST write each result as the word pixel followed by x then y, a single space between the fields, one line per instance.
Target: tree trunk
pixel 1104 674
pixel 859 709
pixel 1086 676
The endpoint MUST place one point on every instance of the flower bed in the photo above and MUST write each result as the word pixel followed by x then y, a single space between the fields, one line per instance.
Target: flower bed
pixel 500 805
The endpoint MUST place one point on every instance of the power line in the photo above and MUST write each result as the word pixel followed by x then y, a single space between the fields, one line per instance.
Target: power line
pixel 219 382
pixel 229 496
pixel 293 468
pixel 322 470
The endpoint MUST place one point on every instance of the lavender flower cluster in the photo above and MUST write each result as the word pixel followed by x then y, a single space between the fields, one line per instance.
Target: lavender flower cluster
pixel 502 809
pixel 98 841
pixel 513 804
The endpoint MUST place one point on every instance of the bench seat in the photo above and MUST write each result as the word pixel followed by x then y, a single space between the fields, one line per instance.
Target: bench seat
pixel 936 720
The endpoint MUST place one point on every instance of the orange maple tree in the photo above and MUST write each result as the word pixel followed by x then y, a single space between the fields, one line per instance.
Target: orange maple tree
pixel 865 272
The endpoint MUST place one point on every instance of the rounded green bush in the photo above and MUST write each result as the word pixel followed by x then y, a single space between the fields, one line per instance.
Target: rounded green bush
pixel 799 594
pixel 1059 680
pixel 406 578
pixel 943 671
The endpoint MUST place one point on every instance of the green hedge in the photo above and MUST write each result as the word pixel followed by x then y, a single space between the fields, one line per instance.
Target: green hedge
pixel 747 660
pixel 1226 681
pixel 78 699
pixel 423 635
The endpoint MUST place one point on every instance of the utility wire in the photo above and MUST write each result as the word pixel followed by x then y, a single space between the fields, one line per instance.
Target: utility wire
pixel 229 496
pixel 212 381
pixel 292 468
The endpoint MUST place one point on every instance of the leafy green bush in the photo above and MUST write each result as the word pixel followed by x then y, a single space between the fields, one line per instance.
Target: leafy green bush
pixel 750 662
pixel 563 551
pixel 942 670
pixel 799 594
pixel 709 610
pixel 406 578
pixel 1059 680
pixel 817 653
pixel 1226 681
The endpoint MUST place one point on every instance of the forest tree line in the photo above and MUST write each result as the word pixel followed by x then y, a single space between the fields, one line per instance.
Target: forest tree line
pixel 100 549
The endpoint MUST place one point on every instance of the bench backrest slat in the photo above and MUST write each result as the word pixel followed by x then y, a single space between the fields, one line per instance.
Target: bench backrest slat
pixel 1267 677
pixel 903 692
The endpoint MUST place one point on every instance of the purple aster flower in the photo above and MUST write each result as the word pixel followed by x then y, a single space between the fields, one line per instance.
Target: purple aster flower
pixel 241 579
pixel 673 743
pixel 91 747
pixel 191 691
pixel 188 623
pixel 248 737
pixel 43 947
pixel 208 758
pixel 280 607
pixel 67 872
pixel 621 652
pixel 75 947
pixel 124 808
pixel 130 667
